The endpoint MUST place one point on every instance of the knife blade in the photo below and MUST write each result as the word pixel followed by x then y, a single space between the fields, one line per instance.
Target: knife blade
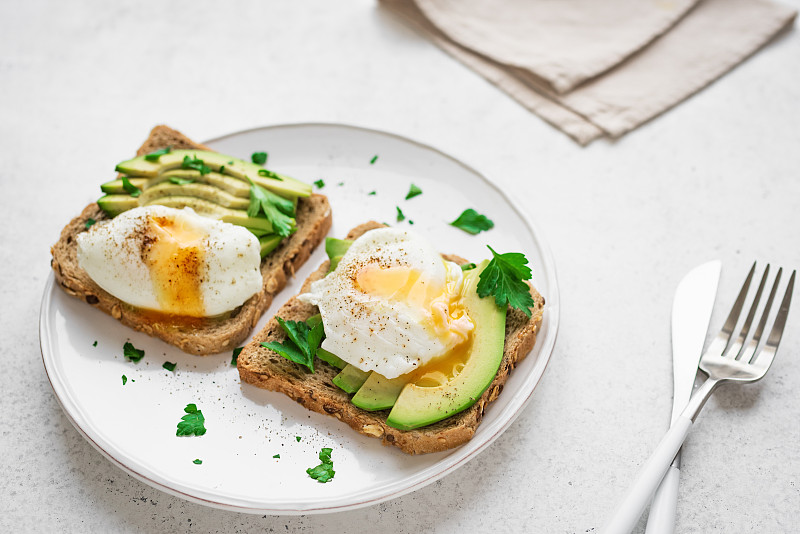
pixel 691 315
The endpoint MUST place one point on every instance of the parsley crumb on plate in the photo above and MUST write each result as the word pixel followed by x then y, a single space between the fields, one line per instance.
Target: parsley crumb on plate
pixel 400 215
pixel 193 423
pixel 132 353
pixel 197 461
pixel 320 183
pixel 373 160
pixel 324 471
pixel 169 366
pixel 472 222
pixel 124 379
pixel 413 191
pixel 259 158
pixel 235 357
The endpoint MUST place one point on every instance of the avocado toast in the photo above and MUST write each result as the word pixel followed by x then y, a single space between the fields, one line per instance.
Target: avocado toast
pixel 319 391
pixel 199 336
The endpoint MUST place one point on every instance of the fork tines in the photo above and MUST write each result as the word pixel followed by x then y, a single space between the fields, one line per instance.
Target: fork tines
pixel 736 347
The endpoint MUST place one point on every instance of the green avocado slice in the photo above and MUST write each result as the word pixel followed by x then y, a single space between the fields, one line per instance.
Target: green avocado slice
pixel 114 204
pixel 418 406
pixel 379 392
pixel 335 249
pixel 204 191
pixel 269 243
pixel 238 168
pixel 351 378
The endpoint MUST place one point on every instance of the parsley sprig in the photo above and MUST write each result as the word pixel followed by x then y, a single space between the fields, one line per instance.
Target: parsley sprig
pixel 153 156
pixel 302 343
pixel 278 210
pixel 472 222
pixel 193 423
pixel 504 278
pixel 324 471
pixel 129 188
pixel 196 164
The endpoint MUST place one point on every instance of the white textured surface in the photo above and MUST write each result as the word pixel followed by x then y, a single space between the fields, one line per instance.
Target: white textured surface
pixel 82 83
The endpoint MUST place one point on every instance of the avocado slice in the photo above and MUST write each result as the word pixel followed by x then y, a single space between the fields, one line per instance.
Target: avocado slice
pixel 269 243
pixel 351 378
pixel 335 249
pixel 379 392
pixel 208 208
pixel 331 358
pixel 234 186
pixel 418 406
pixel 204 191
pixel 115 186
pixel 114 204
pixel 283 185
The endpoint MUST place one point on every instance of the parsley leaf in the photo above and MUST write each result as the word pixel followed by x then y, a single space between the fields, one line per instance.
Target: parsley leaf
pixel 235 356
pixel 196 164
pixel 169 366
pixel 504 278
pixel 278 210
pixel 90 222
pixel 298 438
pixel 131 353
pixel 468 266
pixel 269 174
pixel 197 461
pixel 320 183
pixel 323 472
pixel 259 158
pixel 129 188
pixel 400 216
pixel 277 456
pixel 472 222
pixel 302 345
pixel 372 193
pixel 177 180
pixel 413 191
pixel 373 160
pixel 95 343
pixel 192 422
pixel 153 156
pixel 221 169
pixel 124 380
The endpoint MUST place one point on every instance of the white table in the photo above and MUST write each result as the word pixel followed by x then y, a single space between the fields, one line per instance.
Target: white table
pixel 81 84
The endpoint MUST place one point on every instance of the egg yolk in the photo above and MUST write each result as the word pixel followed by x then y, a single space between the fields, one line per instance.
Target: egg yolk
pixel 174 254
pixel 439 306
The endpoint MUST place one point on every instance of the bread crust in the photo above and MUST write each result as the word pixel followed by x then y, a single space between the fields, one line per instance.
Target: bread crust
pixel 264 368
pixel 194 336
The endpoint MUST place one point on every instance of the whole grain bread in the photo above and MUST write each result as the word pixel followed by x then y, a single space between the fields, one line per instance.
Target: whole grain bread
pixel 266 369
pixel 201 336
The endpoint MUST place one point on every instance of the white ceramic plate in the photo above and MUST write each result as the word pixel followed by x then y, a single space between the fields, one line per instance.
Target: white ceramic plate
pixel 134 425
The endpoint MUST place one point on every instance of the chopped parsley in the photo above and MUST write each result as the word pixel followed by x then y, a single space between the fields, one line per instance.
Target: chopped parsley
pixel 278 210
pixel 413 191
pixel 177 180
pixel 221 169
pixel 131 353
pixel 197 461
pixel 340 184
pixel 235 356
pixel 153 156
pixel 277 456
pixel 472 222
pixel 195 164
pixel 129 188
pixel 324 471
pixel 90 222
pixel 373 160
pixel 124 380
pixel 468 266
pixel 302 343
pixel 95 343
pixel 504 278
pixel 372 193
pixel 400 216
pixel 298 438
pixel 269 174
pixel 192 423
pixel 169 366
pixel 320 183
pixel 259 158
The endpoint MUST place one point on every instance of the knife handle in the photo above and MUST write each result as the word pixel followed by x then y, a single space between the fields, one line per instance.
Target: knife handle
pixel 651 473
pixel 665 504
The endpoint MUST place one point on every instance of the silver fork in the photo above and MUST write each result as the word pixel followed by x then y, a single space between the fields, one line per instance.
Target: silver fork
pixel 727 359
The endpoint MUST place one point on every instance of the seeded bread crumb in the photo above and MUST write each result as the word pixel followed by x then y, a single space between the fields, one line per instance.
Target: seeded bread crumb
pixel 200 336
pixel 266 369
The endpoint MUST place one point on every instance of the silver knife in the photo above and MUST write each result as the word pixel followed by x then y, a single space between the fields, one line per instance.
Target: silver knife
pixel 691 314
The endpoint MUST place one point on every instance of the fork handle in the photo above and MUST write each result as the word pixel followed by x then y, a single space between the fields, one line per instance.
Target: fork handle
pixel 630 509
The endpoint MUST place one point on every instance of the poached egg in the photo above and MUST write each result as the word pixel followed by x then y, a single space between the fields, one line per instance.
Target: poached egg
pixel 172 261
pixel 392 305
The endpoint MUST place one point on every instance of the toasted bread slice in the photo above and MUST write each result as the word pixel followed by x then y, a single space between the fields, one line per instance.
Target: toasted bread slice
pixel 196 336
pixel 266 369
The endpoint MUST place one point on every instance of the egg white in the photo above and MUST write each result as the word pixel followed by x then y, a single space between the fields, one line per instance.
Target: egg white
pixel 385 333
pixel 113 255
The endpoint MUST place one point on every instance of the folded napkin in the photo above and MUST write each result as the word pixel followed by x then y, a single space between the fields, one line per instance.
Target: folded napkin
pixel 595 69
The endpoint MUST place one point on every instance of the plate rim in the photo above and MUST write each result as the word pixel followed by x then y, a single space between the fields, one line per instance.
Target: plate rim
pixel 441 468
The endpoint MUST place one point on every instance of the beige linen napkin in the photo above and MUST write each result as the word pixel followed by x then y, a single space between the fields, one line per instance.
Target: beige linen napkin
pixel 700 47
